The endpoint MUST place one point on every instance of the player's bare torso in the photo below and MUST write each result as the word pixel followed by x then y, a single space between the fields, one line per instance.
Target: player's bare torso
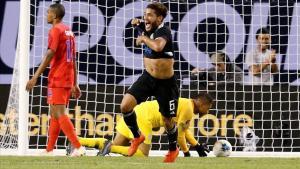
pixel 159 68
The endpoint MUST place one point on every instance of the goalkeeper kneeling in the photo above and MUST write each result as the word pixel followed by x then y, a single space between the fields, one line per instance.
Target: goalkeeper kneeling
pixel 149 118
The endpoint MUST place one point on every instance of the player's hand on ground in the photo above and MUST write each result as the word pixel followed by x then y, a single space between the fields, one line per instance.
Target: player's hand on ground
pixel 76 92
pixel 139 40
pixel 187 154
pixel 135 22
pixel 202 150
pixel 30 84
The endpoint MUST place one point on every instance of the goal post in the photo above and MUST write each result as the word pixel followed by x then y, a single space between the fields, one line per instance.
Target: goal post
pixel 109 62
pixel 14 138
pixel 23 58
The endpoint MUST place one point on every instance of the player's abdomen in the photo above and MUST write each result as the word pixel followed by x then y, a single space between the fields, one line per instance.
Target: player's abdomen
pixel 159 68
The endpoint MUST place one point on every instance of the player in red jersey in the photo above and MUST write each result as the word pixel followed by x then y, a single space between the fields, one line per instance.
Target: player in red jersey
pixel 62 79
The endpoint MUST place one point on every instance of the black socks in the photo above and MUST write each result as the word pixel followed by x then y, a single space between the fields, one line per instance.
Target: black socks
pixel 172 136
pixel 130 120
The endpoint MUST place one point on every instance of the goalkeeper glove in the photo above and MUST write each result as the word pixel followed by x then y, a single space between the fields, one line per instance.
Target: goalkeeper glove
pixel 187 154
pixel 202 150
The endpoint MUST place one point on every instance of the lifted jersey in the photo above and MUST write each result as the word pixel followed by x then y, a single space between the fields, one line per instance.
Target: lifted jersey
pixel 167 52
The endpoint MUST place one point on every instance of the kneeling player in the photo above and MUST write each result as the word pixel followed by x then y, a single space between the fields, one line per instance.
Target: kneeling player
pixel 148 118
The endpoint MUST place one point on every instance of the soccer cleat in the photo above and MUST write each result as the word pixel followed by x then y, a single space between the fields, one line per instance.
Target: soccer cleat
pixel 171 156
pixel 106 148
pixel 78 152
pixel 69 149
pixel 135 145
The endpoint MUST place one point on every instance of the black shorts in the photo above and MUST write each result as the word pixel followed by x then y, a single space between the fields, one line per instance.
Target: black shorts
pixel 165 91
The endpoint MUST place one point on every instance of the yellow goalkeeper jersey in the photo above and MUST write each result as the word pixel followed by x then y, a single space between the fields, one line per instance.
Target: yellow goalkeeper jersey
pixel 149 110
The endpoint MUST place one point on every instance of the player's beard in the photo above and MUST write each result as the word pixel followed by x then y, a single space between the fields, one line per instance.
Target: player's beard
pixel 153 27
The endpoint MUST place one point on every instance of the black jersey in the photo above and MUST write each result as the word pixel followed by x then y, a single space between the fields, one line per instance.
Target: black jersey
pixel 167 52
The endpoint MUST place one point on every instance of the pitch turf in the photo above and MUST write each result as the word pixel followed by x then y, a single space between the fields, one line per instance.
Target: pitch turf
pixel 146 163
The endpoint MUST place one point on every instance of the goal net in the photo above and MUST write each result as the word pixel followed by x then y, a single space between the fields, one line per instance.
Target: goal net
pixel 252 116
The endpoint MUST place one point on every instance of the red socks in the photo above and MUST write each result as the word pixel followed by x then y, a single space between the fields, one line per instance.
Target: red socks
pixel 64 123
pixel 68 129
pixel 54 130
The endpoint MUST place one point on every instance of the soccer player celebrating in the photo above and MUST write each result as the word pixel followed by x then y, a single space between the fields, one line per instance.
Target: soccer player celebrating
pixel 62 79
pixel 149 118
pixel 157 79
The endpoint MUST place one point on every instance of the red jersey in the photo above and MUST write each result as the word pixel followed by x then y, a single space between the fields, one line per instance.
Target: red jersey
pixel 61 40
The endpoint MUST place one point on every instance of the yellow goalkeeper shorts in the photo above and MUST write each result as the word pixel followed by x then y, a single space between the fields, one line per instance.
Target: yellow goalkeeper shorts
pixel 144 125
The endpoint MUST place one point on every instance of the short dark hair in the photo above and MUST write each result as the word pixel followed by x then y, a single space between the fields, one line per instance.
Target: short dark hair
pixel 263 30
pixel 205 98
pixel 59 10
pixel 159 8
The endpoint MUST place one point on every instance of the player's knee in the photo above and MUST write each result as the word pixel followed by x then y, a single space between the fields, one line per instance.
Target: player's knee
pixel 126 106
pixel 53 111
pixel 57 110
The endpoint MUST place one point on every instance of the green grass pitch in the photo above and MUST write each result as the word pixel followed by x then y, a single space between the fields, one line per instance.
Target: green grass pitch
pixel 13 162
